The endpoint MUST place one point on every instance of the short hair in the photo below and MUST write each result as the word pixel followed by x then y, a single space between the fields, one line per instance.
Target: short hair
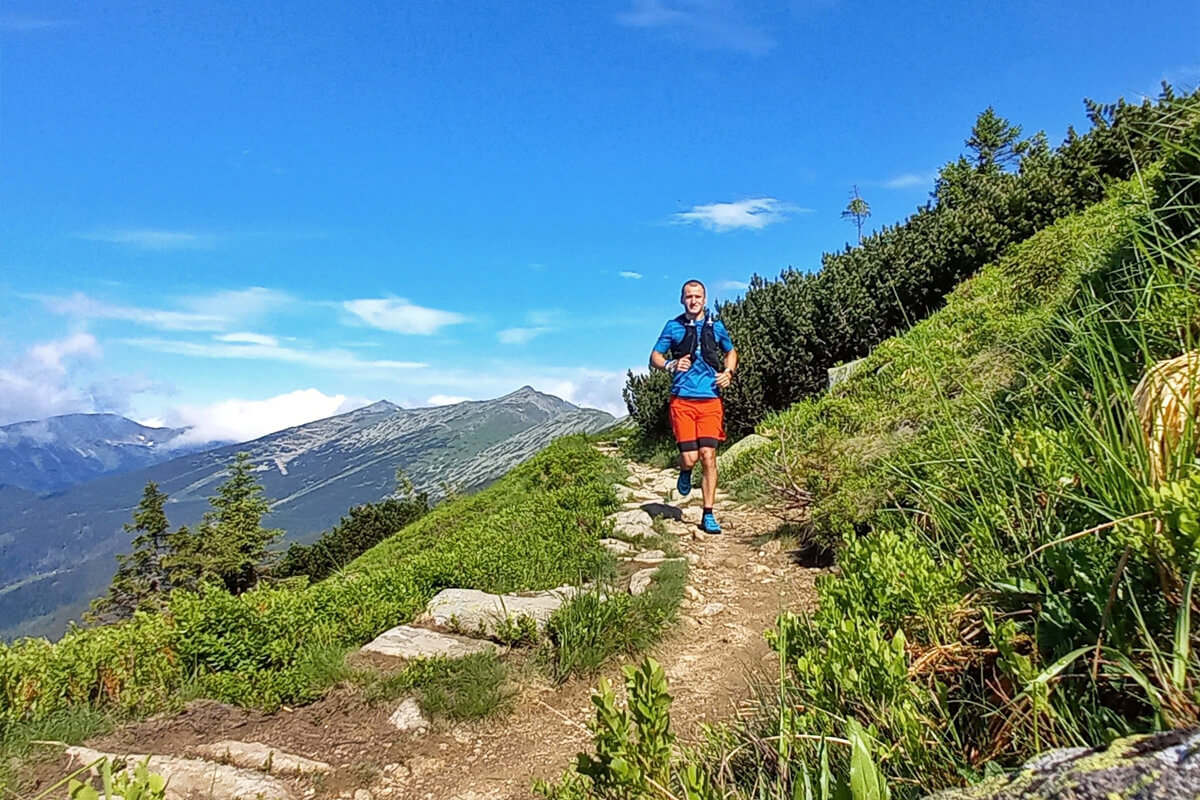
pixel 693 282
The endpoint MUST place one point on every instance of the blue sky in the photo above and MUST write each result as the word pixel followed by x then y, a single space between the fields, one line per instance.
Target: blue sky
pixel 242 216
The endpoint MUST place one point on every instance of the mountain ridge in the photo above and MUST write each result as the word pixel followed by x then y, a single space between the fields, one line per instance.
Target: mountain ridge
pixel 54 453
pixel 57 551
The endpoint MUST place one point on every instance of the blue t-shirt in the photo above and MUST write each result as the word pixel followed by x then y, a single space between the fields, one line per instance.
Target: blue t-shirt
pixel 699 382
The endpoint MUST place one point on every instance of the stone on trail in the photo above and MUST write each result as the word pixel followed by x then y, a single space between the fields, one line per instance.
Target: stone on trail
pixel 478 613
pixel 640 581
pixel 618 547
pixel 188 778
pixel 632 517
pixel 264 758
pixel 633 530
pixel 650 557
pixel 409 718
pixel 623 492
pixel 405 641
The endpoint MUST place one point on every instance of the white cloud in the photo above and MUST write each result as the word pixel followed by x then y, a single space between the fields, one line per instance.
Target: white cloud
pixel 911 180
pixel 238 304
pixel 248 338
pixel 151 239
pixel 50 355
pixel 580 385
pixel 707 24
pixel 208 312
pixel 41 382
pixel 24 23
pixel 755 213
pixel 81 307
pixel 238 420
pixel 520 335
pixel 446 400
pixel 737 286
pixel 590 388
pixel 332 359
pixel 400 316
pixel 629 274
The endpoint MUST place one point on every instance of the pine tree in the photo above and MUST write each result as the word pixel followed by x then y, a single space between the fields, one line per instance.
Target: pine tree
pixel 141 581
pixel 997 144
pixel 233 541
pixel 858 210
pixel 230 544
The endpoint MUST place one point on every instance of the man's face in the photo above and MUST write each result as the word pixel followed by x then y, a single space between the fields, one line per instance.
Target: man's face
pixel 693 299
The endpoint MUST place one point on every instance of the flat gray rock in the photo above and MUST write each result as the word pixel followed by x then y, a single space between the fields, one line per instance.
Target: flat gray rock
pixel 640 581
pixel 631 517
pixel 409 718
pixel 650 557
pixel 261 757
pixel 634 530
pixel 477 613
pixel 188 778
pixel 405 641
pixel 618 547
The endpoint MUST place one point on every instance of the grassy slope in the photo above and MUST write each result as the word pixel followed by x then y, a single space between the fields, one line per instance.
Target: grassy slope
pixel 536 528
pixel 955 471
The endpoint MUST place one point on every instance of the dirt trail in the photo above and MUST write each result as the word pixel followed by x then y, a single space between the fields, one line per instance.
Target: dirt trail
pixel 735 590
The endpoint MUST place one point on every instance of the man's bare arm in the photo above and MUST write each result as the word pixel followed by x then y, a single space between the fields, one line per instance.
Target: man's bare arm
pixel 660 361
pixel 726 376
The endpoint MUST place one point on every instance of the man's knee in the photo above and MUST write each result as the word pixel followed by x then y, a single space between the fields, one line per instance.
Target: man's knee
pixel 708 457
pixel 689 458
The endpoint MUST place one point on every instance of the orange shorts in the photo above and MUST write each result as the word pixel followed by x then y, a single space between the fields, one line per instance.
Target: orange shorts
pixel 697 422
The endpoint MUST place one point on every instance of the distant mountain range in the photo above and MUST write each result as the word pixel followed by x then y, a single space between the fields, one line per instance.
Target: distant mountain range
pixel 58 551
pixel 47 455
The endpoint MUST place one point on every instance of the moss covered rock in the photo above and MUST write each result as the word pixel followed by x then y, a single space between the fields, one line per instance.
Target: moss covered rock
pixel 1159 765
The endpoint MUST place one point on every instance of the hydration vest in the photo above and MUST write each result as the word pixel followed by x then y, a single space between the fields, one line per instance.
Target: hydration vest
pixel 710 348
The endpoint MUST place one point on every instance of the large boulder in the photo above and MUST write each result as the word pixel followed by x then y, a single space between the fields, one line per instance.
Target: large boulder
pixel 1157 765
pixel 738 449
pixel 405 641
pixel 477 613
pixel 253 755
pixel 189 778
pixel 842 372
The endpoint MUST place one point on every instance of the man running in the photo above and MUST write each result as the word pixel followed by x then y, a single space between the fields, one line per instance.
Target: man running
pixel 698 352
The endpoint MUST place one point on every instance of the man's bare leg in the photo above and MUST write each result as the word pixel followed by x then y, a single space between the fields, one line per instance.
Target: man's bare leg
pixel 708 457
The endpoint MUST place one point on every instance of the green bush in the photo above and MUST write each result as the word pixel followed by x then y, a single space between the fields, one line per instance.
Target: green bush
pixel 363 528
pixel 1018 577
pixel 790 331
pixel 536 528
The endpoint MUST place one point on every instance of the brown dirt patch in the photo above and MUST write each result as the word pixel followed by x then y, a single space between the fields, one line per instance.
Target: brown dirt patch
pixel 711 659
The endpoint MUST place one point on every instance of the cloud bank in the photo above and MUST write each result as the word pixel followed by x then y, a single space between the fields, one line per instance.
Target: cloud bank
pixel 754 213
pixel 400 316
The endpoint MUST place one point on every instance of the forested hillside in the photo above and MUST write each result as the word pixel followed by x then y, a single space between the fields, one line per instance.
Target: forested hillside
pixel 1012 490
pixel 789 331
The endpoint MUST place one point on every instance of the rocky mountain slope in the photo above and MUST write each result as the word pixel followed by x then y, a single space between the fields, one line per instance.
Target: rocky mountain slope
pixel 48 455
pixel 57 552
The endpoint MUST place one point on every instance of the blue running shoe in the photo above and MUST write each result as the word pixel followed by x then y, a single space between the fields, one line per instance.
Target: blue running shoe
pixel 709 524
pixel 684 484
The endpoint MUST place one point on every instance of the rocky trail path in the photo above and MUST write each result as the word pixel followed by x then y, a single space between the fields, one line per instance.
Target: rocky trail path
pixel 344 747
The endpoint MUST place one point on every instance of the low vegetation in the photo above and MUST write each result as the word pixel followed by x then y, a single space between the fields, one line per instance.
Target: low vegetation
pixel 536 528
pixel 1013 492
pixel 1013 489
pixel 1006 187
pixel 599 624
